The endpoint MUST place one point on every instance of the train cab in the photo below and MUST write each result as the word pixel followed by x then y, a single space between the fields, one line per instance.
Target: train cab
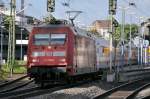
pixel 49 49
pixel 47 52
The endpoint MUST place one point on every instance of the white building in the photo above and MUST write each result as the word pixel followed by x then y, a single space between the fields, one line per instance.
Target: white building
pixel 102 27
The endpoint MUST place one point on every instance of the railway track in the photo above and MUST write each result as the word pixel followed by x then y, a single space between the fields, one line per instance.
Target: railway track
pixel 14 85
pixel 146 97
pixel 8 95
pixel 125 91
pixel 36 91
pixel 14 81
pixel 131 96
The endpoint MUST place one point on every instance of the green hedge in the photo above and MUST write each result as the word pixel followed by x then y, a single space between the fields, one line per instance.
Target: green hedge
pixel 3 74
pixel 18 67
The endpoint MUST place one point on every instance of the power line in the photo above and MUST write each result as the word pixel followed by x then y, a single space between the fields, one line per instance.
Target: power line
pixel 66 4
pixel 133 4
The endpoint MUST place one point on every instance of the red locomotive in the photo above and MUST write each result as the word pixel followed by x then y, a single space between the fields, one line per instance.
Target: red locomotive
pixel 64 53
pixel 60 52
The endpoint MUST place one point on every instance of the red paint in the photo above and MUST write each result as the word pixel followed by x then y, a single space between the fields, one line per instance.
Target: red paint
pixel 52 61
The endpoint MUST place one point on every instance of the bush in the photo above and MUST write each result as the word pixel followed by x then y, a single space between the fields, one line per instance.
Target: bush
pixel 3 74
pixel 19 67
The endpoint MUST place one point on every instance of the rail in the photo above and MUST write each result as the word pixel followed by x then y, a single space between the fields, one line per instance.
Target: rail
pixel 36 91
pixel 131 96
pixel 11 82
pixel 16 87
pixel 117 89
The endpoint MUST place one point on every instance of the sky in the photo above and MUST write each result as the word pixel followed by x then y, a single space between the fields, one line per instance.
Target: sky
pixel 92 10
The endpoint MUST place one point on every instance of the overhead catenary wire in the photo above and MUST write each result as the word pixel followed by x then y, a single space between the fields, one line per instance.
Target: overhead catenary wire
pixel 141 60
pixel 130 2
pixel 67 4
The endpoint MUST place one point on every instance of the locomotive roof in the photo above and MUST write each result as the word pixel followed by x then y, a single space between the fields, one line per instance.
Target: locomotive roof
pixel 78 31
pixel 53 26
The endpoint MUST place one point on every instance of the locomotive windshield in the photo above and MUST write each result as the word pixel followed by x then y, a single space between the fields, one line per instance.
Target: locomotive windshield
pixel 49 39
pixel 58 39
pixel 41 39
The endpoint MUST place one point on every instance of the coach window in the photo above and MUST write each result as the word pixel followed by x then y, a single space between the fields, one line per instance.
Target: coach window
pixel 41 39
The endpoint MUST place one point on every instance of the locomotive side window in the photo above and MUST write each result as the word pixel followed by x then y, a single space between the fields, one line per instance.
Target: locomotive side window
pixel 58 39
pixel 41 39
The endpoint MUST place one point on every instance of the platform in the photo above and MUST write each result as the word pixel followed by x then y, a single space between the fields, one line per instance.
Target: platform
pixel 133 72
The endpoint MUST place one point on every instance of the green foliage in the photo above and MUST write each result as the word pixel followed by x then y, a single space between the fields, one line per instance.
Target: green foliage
pixel 6 19
pixel 117 34
pixel 134 30
pixel 3 74
pixel 94 31
pixel 18 67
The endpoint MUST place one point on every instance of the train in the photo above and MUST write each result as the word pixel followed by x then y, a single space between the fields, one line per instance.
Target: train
pixel 65 52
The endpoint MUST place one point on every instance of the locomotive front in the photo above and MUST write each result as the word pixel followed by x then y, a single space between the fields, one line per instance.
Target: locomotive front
pixel 47 51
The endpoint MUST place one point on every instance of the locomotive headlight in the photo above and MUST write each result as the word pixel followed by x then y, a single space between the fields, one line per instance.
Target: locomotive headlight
pixel 37 53
pixel 49 47
pixel 63 60
pixel 35 60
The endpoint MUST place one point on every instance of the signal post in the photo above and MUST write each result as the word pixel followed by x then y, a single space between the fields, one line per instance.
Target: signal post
pixel 112 12
pixel 12 39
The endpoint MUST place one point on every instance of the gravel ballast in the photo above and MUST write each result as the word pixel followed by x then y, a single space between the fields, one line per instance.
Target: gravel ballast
pixel 87 91
pixel 143 93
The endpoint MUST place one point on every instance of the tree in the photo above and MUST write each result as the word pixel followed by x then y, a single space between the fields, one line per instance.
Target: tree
pixel 117 33
pixel 94 31
pixel 134 30
pixel 6 20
